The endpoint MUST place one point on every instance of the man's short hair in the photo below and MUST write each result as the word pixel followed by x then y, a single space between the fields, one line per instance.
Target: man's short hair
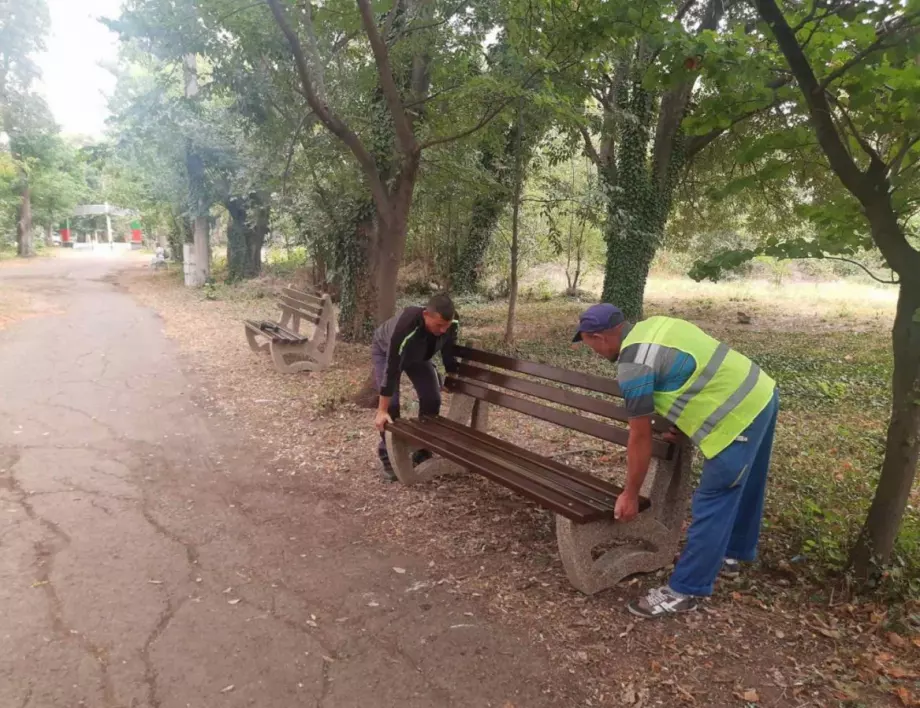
pixel 443 306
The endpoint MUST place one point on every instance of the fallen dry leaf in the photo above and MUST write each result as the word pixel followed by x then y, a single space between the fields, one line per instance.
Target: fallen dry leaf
pixel 906 697
pixel 685 694
pixel 897 672
pixel 896 640
pixel 749 694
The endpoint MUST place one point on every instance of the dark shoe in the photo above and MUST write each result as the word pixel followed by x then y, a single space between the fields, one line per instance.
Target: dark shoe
pixel 662 602
pixel 420 456
pixel 387 472
pixel 731 568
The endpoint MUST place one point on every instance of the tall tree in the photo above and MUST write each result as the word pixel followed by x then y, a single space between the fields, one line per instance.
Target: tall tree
pixel 438 41
pixel 23 116
pixel 853 117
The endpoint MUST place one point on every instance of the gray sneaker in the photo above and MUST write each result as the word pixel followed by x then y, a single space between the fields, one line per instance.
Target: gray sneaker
pixel 662 602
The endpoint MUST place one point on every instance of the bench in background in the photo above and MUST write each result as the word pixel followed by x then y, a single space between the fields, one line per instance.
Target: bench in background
pixel 288 338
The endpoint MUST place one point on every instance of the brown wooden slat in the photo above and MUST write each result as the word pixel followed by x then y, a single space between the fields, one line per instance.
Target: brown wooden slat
pixel 589 382
pixel 302 304
pixel 567 479
pixel 302 314
pixel 509 450
pixel 552 479
pixel 572 421
pixel 282 335
pixel 571 399
pixel 306 298
pixel 314 292
pixel 548 498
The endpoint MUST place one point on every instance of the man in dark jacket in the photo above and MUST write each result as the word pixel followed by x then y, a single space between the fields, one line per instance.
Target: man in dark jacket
pixel 407 343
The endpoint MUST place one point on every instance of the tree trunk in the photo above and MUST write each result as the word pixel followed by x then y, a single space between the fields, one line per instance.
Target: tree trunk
pixel 484 215
pixel 256 235
pixel 25 247
pixel 391 245
pixel 899 468
pixel 631 246
pixel 354 246
pixel 236 239
pixel 196 178
pixel 488 207
pixel 391 232
pixel 515 226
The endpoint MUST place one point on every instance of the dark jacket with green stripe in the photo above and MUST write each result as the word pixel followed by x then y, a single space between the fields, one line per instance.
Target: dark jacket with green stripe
pixel 406 341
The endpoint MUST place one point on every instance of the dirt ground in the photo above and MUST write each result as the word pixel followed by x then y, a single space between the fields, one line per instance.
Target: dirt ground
pixel 769 639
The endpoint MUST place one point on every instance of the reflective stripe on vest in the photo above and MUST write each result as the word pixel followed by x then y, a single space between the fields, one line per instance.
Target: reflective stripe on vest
pixel 723 395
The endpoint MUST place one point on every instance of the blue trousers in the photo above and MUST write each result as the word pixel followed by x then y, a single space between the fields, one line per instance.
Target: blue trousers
pixel 727 507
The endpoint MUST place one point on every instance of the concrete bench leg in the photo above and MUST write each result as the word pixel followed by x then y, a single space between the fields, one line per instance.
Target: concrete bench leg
pixel 254 343
pixel 462 408
pixel 600 554
pixel 280 350
pixel 647 546
pixel 400 453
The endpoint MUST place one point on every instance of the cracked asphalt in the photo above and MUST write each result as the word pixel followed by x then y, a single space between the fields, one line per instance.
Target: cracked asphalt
pixel 144 562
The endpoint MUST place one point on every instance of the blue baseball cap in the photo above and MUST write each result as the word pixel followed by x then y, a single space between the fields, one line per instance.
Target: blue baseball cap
pixel 598 318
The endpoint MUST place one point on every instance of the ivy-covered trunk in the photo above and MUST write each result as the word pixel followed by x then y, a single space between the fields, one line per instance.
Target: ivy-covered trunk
pixel 392 229
pixel 484 215
pixel 354 249
pixel 638 203
pixel 902 447
pixel 249 224
pixel 633 233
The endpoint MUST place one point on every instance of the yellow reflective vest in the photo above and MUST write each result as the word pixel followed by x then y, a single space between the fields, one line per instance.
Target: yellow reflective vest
pixel 723 395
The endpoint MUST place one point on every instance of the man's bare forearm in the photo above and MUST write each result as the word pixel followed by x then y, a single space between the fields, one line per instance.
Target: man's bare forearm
pixel 384 404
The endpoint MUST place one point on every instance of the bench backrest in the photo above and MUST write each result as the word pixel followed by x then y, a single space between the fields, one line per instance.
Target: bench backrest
pixel 486 377
pixel 307 306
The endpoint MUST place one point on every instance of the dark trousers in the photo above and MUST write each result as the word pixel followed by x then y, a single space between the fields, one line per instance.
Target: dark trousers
pixel 425 381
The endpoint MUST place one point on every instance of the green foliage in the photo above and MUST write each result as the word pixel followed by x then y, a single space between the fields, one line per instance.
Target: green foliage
pixel 778 157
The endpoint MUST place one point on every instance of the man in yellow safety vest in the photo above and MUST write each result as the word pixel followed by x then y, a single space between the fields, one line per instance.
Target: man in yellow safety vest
pixel 726 405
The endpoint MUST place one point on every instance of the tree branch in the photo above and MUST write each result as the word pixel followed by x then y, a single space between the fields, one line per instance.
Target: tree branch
pixel 403 128
pixel 698 143
pixel 590 150
pixel 818 108
pixel 683 10
pixel 673 106
pixel 485 120
pixel 885 41
pixel 332 122
pixel 856 263
pixel 894 167
pixel 290 155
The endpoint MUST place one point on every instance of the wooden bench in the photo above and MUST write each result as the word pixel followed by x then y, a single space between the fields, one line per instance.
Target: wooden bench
pixel 596 551
pixel 285 339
